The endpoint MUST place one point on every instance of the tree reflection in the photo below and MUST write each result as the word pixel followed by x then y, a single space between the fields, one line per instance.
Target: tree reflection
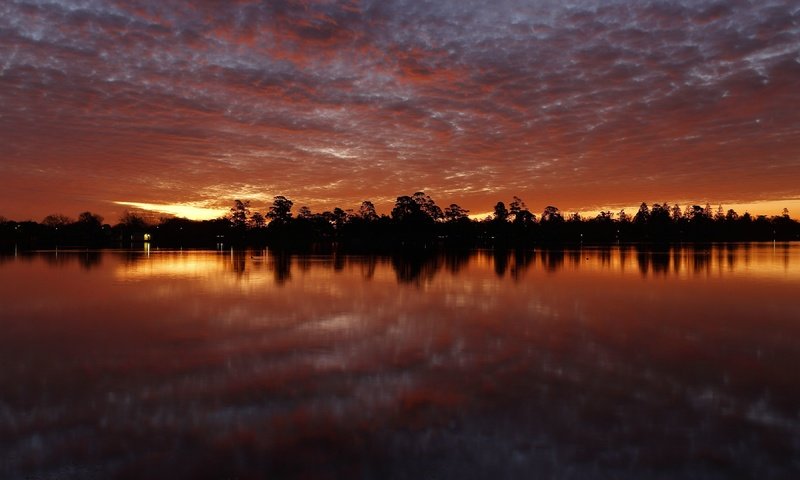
pixel 522 260
pixel 368 265
pixel 425 266
pixel 500 262
pixel 88 260
pixel 238 262
pixel 552 260
pixel 282 267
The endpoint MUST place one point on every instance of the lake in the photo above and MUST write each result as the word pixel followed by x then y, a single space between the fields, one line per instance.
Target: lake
pixel 601 363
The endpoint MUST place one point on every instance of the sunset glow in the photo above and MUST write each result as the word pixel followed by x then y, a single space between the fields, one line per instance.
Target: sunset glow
pixel 181 107
pixel 186 211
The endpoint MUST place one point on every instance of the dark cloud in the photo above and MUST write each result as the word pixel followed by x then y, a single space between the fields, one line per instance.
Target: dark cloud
pixel 333 102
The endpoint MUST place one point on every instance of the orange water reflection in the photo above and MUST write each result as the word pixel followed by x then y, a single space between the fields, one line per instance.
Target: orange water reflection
pixel 616 362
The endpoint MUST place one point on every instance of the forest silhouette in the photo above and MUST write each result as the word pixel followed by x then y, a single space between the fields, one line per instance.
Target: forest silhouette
pixel 416 222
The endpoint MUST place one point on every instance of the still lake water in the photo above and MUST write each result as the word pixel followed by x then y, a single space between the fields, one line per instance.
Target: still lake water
pixel 592 363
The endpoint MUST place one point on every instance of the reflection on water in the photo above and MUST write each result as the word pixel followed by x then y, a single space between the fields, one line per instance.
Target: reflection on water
pixel 591 363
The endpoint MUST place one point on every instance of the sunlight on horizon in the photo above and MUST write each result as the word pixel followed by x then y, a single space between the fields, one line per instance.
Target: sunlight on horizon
pixel 179 210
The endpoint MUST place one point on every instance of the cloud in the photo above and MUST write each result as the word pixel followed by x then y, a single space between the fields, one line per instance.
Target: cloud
pixel 577 103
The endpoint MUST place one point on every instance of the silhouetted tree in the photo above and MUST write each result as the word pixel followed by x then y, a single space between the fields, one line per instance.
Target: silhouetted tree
pixel 516 206
pixel 367 211
pixel 132 221
pixel 405 208
pixel 676 213
pixel 551 214
pixel 90 219
pixel 281 210
pixel 257 220
pixel 428 206
pixel 643 215
pixel 604 216
pixel 454 213
pixel 239 213
pixel 304 213
pixel 337 217
pixel 720 215
pixel 56 220
pixel 500 212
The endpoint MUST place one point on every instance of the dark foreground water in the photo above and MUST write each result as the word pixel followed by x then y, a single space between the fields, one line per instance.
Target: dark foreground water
pixel 586 364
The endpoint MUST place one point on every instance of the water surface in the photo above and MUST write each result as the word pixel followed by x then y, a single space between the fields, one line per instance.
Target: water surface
pixel 590 363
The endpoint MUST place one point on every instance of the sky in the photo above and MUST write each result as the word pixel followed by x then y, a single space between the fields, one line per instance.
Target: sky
pixel 182 107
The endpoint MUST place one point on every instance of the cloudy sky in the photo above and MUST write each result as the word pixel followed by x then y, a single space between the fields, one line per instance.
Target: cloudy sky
pixel 575 103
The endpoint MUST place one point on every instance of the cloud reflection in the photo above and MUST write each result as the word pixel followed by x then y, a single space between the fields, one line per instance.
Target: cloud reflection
pixel 203 363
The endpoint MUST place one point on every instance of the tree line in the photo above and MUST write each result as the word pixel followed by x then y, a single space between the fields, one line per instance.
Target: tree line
pixel 415 222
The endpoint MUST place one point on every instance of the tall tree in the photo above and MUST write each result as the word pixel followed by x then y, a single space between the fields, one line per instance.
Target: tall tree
pixel 239 213
pixel 281 210
pixel 304 213
pixel 257 220
pixel 643 215
pixel 516 206
pixel 500 212
pixel 428 206
pixel 454 213
pixel 405 208
pixel 551 214
pixel 367 211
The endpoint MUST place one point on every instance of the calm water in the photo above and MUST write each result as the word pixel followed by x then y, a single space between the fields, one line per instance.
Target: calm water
pixel 598 363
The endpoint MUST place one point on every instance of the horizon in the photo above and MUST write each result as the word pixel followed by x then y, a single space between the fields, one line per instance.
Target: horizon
pixel 154 211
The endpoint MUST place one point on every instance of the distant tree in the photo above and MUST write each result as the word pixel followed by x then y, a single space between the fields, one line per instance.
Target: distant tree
pixel 720 215
pixel 786 213
pixel 405 208
pixel 731 215
pixel 239 213
pixel 428 206
pixel 519 212
pixel 281 210
pixel 623 217
pixel 660 213
pixel 676 213
pixel 500 212
pixel 132 221
pixel 367 211
pixel 551 214
pixel 643 215
pixel 56 220
pixel 304 213
pixel 524 218
pixel 454 213
pixel 89 219
pixel 697 213
pixel 89 228
pixel 337 217
pixel 516 206
pixel 605 216
pixel 257 220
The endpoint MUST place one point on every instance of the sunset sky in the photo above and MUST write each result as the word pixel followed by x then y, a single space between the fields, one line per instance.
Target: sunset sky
pixel 183 107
